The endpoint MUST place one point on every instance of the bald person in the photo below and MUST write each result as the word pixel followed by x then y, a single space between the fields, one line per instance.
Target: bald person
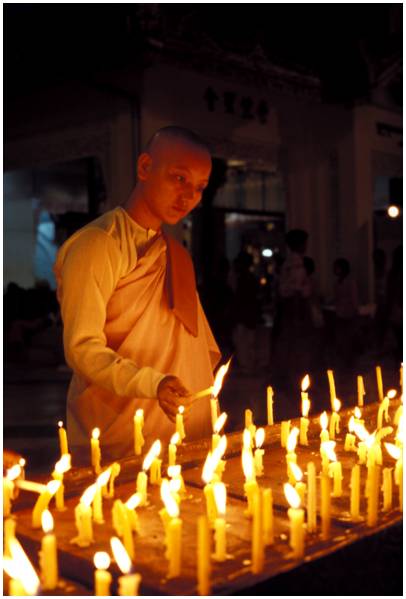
pixel 135 334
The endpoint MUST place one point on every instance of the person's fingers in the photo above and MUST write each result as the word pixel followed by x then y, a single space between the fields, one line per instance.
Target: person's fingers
pixel 168 407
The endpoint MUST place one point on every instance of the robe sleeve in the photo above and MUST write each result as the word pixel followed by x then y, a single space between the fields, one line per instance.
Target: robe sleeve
pixel 87 272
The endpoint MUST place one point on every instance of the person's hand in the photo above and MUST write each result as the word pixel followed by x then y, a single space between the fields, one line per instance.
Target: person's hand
pixel 172 394
pixel 10 459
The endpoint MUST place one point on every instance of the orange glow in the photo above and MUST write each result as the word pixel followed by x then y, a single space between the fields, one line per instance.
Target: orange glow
pixel 175 439
pixel 134 501
pixel 101 560
pixel 361 431
pixel 174 470
pixel 305 383
pixel 220 422
pixel 247 464
pixel 26 573
pixel 296 471
pixel 47 521
pixel 336 404
pixel 351 424
pixel 95 433
pixel 220 449
pixel 14 472
pixel 120 555
pixel 218 381
pixel 393 450
pixel 171 505
pixel 181 409
pixel 153 453
pixel 292 440
pixel 305 407
pixel 259 437
pixel 357 413
pixel 220 497
pixel 392 393
pixel 292 496
pixel 327 447
pixel 324 420
pixel 88 495
pixel 209 467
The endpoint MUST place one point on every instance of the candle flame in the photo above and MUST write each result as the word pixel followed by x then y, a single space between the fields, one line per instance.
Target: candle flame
pixel 357 413
pixel 139 413
pixel 209 467
pixel 220 497
pixel 324 420
pixel 101 560
pixel 14 472
pixel 336 404
pixel 181 409
pixel 53 486
pixel 361 431
pixel 218 381
pixel 383 432
pixel 60 424
pixel 246 439
pixel 259 437
pixel 292 496
pixel 120 555
pixel 292 440
pixel 103 478
pixel 95 433
pixel 88 495
pixel 134 501
pixel 296 471
pixel 392 393
pixel 218 425
pixel 10 567
pixel 175 439
pixel 64 464
pixel 22 462
pixel 393 450
pixel 305 383
pixel 220 449
pixel 153 453
pixel 175 485
pixel 26 573
pixel 305 407
pixel 400 433
pixel 47 521
pixel 327 447
pixel 174 470
pixel 171 505
pixel 248 464
pixel 351 424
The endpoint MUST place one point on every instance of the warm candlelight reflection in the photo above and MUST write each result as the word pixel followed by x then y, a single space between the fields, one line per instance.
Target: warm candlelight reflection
pixel 218 381
pixel 292 496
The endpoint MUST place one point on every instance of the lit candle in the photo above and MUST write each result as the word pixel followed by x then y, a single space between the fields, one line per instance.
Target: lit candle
pixel 383 408
pixel 153 453
pixel 327 453
pixel 102 480
pixel 180 429
pixel 248 418
pixel 291 456
pixel 8 488
pixel 335 419
pixel 397 453
pixel 175 439
pixel 48 555
pixel 155 471
pixel 257 542
pixel 142 483
pixel 95 450
pixel 325 506
pixel 336 473
pixel 304 422
pixel 324 436
pixel 174 472
pixel 373 495
pixel 63 439
pixel 269 405
pixel 207 476
pixel 83 518
pixel 138 436
pixel 311 498
pixel 285 428
pixel 133 502
pixel 297 476
pixel 387 489
pixel 267 517
pixel 128 585
pixel 25 580
pixel 218 382
pixel 9 533
pixel 350 439
pixel 123 526
pixel 355 486
pixel 115 469
pixel 62 466
pixel 203 556
pixel 102 578
pixel 360 390
pixel 250 486
pixel 379 382
pixel 218 425
pixel 332 386
pixel 43 502
pixel 173 531
pixel 220 497
pixel 258 454
pixel 296 518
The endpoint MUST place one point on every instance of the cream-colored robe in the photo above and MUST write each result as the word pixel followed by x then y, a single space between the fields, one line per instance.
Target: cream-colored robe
pixel 121 338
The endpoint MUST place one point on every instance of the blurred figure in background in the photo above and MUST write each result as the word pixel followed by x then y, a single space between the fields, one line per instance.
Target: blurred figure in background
pixel 394 300
pixel 346 307
pixel 380 283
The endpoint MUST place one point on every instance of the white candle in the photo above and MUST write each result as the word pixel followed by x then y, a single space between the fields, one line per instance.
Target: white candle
pixel 95 450
pixel 128 584
pixel 48 555
pixel 355 486
pixel 213 411
pixel 325 506
pixel 335 419
pixel 257 545
pixel 258 454
pixel 62 466
pixel 102 480
pixel 311 498
pixel 335 472
pixel 122 526
pixel 360 390
pixel 180 429
pixel 332 386
pixel 102 578
pixel 83 518
pixel 379 382
pixel 267 519
pixel 220 497
pixel 203 556
pixel 296 518
pixel 138 436
pixel 269 403
pixel 63 439
pixel 387 489
pixel 373 495
pixel 115 469
pixel 43 502
pixel 383 408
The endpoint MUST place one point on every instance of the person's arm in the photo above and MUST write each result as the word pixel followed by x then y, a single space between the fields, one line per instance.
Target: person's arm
pixel 89 270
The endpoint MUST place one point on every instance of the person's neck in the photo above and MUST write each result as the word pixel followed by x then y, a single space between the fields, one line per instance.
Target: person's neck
pixel 137 208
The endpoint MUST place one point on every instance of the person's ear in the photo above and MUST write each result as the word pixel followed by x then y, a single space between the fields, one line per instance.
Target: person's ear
pixel 144 164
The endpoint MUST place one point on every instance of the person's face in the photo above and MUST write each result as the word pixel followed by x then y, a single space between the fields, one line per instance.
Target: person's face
pixel 174 176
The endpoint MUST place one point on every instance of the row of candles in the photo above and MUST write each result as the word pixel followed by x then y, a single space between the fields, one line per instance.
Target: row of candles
pixel 259 500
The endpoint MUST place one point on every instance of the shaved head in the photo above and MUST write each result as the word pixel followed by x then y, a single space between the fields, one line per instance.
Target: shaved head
pixel 173 134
